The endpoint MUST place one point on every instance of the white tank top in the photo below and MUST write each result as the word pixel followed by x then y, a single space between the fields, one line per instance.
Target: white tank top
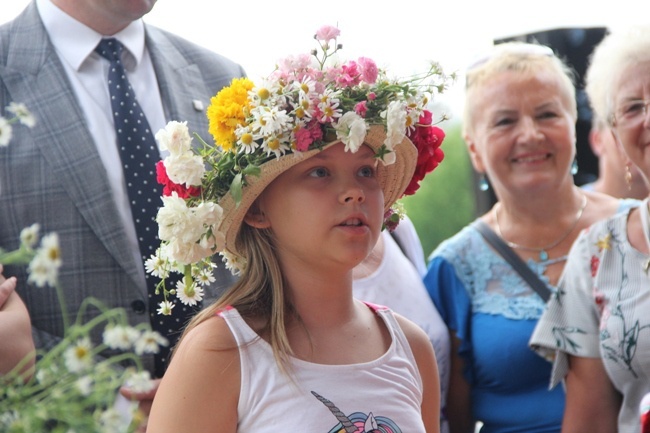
pixel 384 395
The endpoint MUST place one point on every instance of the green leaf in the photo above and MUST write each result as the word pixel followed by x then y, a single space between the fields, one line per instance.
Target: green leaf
pixel 236 188
pixel 252 170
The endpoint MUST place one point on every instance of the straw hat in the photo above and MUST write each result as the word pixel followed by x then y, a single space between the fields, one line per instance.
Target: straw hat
pixel 393 179
pixel 262 129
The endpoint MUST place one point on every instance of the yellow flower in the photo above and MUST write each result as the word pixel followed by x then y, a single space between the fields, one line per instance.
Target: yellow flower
pixel 227 111
pixel 603 243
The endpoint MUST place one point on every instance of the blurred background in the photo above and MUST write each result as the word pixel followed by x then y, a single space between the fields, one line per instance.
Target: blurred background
pixel 403 37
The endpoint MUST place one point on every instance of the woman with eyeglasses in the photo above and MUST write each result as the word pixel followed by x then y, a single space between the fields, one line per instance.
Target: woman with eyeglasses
pixel 597 326
pixel 519 125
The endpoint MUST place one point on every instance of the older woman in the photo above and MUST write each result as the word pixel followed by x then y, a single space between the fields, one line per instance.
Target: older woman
pixel 520 129
pixel 598 324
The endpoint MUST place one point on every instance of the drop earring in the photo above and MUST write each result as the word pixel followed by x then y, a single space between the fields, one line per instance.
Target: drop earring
pixel 628 176
pixel 574 166
pixel 483 183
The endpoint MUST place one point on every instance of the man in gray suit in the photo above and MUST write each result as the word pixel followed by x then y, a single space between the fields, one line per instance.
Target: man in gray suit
pixel 65 173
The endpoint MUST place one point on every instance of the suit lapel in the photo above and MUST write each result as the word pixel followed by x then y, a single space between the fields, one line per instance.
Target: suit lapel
pixel 64 141
pixel 182 86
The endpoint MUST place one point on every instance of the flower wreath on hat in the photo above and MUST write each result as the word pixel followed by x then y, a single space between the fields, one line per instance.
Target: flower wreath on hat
pixel 308 103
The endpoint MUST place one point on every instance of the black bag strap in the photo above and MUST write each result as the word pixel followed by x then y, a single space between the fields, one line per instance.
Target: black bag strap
pixel 515 261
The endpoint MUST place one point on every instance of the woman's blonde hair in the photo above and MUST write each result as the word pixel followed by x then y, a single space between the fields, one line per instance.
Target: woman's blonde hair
pixel 524 58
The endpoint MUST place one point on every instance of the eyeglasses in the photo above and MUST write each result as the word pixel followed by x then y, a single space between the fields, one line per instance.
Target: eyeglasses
pixel 510 48
pixel 630 113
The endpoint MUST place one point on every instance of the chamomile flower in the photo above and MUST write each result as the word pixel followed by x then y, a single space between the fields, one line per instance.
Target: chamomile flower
pixel 204 276
pixel 29 235
pixel 112 421
pixel 157 265
pixel 44 267
pixel 275 145
pixel 22 113
pixel 84 385
pixel 165 308
pixel 190 294
pixel 140 382
pixel 235 264
pixel 150 342
pixel 6 132
pixel 120 337
pixel 78 358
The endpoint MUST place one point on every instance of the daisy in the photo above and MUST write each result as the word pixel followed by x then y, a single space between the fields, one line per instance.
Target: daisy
pixel 276 145
pixel 165 308
pixel 5 132
pixel 157 265
pixel 29 235
pixel 84 385
pixel 78 358
pixel 205 276
pixel 189 295
pixel 150 342
pixel 140 382
pixel 22 113
pixel 120 337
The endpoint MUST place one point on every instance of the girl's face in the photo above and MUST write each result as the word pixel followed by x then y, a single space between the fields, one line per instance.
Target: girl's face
pixel 631 119
pixel 327 209
pixel 523 133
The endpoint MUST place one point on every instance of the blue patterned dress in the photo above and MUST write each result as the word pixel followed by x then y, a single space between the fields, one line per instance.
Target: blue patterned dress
pixel 493 312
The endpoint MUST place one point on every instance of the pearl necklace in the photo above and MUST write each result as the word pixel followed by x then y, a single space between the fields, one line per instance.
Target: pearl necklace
pixel 543 251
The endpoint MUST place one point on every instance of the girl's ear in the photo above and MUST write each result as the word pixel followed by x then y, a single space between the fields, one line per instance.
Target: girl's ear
pixel 255 217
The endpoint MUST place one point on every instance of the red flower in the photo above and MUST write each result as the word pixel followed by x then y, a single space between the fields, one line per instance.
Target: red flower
pixel 427 140
pixel 594 266
pixel 169 186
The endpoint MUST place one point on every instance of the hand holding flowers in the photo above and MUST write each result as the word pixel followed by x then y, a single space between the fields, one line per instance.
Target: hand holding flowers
pixel 74 384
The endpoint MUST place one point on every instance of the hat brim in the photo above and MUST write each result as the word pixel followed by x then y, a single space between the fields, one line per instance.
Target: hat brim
pixel 393 179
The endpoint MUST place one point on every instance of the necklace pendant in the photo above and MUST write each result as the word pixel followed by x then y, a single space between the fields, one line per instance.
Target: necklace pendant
pixel 543 256
pixel 646 266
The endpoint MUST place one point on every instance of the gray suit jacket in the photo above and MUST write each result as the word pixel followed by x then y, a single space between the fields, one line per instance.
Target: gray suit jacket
pixel 52 174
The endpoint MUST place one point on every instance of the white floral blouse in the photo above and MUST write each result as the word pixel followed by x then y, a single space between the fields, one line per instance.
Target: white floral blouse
pixel 602 309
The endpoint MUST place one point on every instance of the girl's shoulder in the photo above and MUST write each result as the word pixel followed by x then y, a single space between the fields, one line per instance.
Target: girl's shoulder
pixel 416 337
pixel 206 355
pixel 211 335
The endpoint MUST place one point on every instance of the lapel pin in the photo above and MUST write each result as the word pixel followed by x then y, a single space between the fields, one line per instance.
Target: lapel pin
pixel 197 104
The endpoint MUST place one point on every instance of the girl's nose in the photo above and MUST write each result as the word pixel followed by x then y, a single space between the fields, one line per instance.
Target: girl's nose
pixel 353 194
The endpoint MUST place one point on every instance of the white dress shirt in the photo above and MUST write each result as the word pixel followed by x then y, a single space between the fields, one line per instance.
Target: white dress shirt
pixel 87 71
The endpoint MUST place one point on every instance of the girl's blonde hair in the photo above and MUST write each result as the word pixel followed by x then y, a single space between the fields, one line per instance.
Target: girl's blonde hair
pixel 524 58
pixel 259 291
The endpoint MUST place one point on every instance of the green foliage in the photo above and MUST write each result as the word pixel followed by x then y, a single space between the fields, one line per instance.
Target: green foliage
pixel 445 201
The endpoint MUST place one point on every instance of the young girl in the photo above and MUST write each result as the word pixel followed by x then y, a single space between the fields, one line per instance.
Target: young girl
pixel 288 348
